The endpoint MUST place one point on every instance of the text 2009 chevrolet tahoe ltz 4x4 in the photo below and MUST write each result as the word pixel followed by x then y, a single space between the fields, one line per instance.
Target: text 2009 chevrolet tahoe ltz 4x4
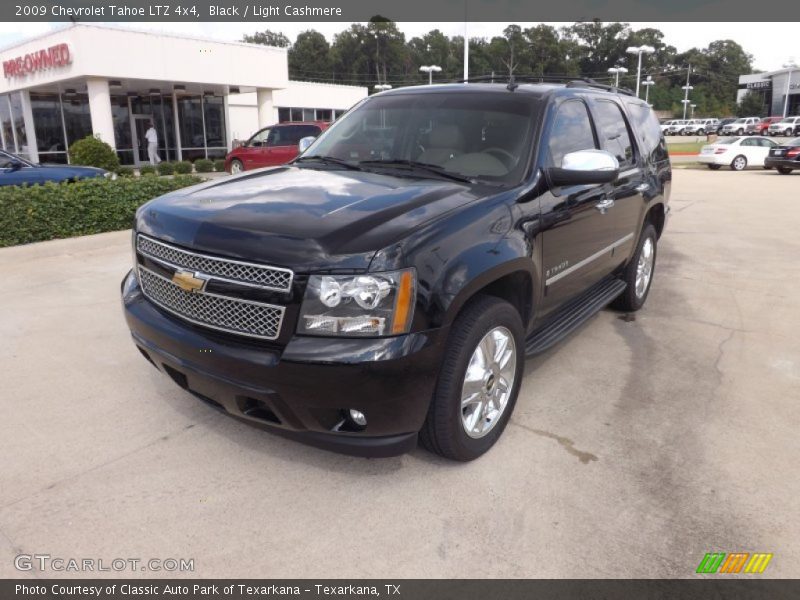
pixel 388 284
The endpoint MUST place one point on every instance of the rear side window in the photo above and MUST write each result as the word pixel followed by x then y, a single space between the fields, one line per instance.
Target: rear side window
pixel 645 126
pixel 571 131
pixel 612 130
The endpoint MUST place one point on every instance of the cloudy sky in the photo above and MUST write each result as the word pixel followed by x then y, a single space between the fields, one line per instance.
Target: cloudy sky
pixel 762 41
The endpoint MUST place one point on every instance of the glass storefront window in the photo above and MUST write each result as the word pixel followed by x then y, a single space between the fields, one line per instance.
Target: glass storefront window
pixel 284 115
pixel 190 115
pixel 77 120
pixel 18 122
pixel 214 113
pixel 48 127
pixel 5 125
pixel 122 122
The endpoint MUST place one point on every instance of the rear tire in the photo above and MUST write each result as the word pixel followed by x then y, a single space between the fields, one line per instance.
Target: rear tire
pixel 638 273
pixel 739 163
pixel 236 166
pixel 474 397
pixel 714 167
pixel 784 170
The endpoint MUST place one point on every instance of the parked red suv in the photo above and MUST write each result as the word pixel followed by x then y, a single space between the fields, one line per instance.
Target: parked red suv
pixel 762 127
pixel 274 145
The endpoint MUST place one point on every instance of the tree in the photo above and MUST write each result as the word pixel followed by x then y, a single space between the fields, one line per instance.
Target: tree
pixel 310 56
pixel 268 38
pixel 751 105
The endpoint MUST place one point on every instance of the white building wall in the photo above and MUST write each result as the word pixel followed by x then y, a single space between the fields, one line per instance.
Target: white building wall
pixel 151 56
pixel 243 108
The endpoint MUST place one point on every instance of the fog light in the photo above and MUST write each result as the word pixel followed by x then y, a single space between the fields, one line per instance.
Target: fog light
pixel 358 417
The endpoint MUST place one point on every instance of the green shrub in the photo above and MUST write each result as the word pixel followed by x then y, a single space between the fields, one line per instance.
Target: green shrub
pixel 93 152
pixel 219 165
pixel 147 170
pixel 183 167
pixel 165 167
pixel 125 171
pixel 203 165
pixel 58 210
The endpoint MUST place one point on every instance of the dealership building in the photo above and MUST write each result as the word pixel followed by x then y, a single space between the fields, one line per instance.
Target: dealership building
pixel 773 88
pixel 111 82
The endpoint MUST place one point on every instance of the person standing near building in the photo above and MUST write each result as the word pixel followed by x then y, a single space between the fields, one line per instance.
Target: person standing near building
pixel 152 144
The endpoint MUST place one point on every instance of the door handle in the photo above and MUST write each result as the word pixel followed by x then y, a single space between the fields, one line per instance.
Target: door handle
pixel 604 205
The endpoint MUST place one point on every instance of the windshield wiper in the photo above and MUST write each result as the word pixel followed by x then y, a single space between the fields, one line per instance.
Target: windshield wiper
pixel 420 166
pixel 331 160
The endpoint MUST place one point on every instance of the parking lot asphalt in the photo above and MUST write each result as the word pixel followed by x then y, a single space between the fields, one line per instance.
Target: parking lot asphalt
pixel 637 445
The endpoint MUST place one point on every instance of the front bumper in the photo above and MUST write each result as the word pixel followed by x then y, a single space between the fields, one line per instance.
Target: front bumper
pixel 714 159
pixel 304 389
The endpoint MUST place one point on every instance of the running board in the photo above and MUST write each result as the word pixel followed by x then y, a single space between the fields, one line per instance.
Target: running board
pixel 572 315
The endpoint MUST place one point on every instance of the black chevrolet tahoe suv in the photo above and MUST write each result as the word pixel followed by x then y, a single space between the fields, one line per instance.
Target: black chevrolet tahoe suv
pixel 388 284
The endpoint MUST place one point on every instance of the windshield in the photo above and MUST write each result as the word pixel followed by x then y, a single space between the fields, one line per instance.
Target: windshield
pixel 479 135
pixel 740 121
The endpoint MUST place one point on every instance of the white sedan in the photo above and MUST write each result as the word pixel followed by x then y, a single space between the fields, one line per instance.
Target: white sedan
pixel 736 152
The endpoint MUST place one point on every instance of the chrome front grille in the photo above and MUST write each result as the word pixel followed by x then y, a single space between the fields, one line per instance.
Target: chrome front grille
pixel 223 269
pixel 234 315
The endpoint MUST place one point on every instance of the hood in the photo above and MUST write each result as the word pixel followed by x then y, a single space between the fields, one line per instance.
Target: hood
pixel 300 218
pixel 72 171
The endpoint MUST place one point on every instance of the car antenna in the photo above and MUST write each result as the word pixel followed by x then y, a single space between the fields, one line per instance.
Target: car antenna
pixel 512 84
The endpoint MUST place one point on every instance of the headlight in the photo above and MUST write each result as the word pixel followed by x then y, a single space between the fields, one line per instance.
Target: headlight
pixel 135 258
pixel 370 305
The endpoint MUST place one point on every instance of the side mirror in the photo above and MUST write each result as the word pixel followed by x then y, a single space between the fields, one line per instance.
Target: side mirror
pixel 15 165
pixel 305 142
pixel 585 167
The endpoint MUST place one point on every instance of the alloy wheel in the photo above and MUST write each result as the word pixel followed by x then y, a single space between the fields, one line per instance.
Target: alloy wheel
pixel 644 268
pixel 488 382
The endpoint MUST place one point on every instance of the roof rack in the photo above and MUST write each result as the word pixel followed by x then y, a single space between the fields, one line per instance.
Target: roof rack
pixel 573 82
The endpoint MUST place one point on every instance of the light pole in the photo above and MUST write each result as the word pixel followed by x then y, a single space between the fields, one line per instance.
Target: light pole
pixel 791 65
pixel 616 71
pixel 639 50
pixel 647 83
pixel 430 70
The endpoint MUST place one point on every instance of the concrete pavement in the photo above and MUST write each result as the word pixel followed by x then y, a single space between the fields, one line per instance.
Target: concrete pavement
pixel 637 445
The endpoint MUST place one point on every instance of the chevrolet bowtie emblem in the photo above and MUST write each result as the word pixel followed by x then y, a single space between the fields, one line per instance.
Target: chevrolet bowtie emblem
pixel 188 280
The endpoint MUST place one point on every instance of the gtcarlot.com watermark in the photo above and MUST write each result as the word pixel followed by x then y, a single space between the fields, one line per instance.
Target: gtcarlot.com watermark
pixel 60 564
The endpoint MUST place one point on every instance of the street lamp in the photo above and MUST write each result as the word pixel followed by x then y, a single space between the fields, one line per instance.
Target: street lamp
pixel 647 83
pixel 791 65
pixel 430 70
pixel 639 50
pixel 685 100
pixel 616 71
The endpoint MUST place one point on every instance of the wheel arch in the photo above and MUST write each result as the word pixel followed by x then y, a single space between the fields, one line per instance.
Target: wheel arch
pixel 512 281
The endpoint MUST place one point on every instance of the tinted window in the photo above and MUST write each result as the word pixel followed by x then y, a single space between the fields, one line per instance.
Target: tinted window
pixel 259 139
pixel 613 131
pixel 572 131
pixel 476 134
pixel 294 133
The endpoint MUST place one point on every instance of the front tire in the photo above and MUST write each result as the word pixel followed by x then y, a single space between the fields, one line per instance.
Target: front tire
pixel 739 163
pixel 236 166
pixel 638 273
pixel 479 381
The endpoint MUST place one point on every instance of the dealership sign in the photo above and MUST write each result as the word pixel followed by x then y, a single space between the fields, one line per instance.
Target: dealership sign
pixel 759 85
pixel 40 60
